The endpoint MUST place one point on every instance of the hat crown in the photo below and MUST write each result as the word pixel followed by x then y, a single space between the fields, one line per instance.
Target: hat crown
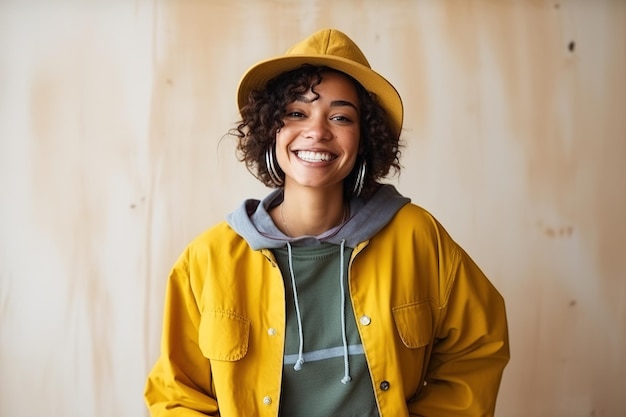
pixel 329 42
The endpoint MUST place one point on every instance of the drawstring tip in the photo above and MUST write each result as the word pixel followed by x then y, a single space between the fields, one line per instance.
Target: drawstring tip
pixel 346 379
pixel 298 364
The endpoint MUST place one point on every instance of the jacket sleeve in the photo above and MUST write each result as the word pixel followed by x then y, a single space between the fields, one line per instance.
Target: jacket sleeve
pixel 470 347
pixel 180 383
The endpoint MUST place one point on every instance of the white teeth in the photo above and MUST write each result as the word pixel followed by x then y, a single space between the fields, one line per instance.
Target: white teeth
pixel 314 156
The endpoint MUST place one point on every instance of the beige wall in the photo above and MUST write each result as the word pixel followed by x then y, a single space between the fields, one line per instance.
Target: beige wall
pixel 111 159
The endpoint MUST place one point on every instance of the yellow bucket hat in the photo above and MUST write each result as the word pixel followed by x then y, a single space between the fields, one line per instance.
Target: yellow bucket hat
pixel 331 48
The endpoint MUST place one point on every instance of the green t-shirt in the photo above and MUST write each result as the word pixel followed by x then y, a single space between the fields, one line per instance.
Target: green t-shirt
pixel 316 389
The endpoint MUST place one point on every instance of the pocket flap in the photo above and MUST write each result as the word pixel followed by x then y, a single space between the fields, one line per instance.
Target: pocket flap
pixel 414 324
pixel 223 335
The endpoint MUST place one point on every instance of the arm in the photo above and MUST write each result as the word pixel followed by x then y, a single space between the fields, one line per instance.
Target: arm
pixel 470 347
pixel 179 384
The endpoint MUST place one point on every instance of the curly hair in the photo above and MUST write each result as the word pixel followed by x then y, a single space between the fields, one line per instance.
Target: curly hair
pixel 262 116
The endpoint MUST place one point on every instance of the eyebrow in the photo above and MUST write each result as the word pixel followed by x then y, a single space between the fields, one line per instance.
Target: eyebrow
pixel 334 103
pixel 341 103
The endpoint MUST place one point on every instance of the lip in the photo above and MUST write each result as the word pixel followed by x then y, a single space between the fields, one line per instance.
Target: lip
pixel 315 156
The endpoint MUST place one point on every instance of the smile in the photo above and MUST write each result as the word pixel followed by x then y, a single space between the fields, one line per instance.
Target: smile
pixel 311 156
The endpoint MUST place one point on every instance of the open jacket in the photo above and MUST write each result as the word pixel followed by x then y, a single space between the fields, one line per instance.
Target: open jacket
pixel 432 326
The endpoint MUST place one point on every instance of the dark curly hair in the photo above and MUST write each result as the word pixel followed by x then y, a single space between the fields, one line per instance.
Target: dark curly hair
pixel 262 116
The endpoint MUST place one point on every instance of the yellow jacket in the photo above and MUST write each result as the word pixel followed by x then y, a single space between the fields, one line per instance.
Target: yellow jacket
pixel 432 326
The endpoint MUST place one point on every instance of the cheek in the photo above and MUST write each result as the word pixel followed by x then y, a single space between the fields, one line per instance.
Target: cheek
pixel 356 143
pixel 282 150
pixel 284 135
pixel 281 141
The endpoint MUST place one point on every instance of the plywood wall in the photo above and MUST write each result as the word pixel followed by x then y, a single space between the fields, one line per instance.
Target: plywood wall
pixel 113 156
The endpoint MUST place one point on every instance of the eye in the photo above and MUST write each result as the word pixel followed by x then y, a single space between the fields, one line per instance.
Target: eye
pixel 341 118
pixel 294 112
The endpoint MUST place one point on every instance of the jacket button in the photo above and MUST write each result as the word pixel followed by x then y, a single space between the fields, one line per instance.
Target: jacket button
pixel 267 400
pixel 271 331
pixel 365 320
pixel 384 385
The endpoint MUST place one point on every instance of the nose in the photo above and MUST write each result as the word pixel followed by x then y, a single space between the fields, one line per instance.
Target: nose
pixel 318 128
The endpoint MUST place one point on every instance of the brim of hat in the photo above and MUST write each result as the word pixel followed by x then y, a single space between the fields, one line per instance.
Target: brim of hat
pixel 259 74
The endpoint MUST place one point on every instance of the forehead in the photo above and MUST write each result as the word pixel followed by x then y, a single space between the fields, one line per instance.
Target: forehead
pixel 334 85
pixel 338 79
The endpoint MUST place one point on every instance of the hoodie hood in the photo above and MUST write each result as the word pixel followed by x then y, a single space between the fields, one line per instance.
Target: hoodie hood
pixel 251 220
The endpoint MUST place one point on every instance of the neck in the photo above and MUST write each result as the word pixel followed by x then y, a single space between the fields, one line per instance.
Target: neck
pixel 309 213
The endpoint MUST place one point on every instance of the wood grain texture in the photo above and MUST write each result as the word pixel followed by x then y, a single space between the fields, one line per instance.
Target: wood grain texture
pixel 113 155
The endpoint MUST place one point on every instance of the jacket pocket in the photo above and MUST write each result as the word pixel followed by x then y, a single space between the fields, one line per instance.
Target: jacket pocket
pixel 223 335
pixel 414 324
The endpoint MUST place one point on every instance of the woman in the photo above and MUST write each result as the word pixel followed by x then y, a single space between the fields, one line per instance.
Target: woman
pixel 334 296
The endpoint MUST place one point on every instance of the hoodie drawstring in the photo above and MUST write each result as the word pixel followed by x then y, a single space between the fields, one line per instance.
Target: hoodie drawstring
pixel 346 361
pixel 300 360
pixel 346 364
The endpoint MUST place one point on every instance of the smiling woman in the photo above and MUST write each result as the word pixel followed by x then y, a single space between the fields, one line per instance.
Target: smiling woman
pixel 409 325
pixel 268 109
pixel 317 148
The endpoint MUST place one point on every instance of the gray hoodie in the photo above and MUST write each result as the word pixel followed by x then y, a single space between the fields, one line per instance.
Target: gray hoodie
pixel 252 221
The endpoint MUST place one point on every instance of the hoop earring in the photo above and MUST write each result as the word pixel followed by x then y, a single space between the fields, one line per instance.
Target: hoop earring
pixel 360 180
pixel 271 167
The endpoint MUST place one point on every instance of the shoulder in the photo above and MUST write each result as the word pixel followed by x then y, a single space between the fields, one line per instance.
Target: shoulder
pixel 220 230
pixel 417 219
pixel 415 228
pixel 217 238
pixel 413 212
pixel 219 235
